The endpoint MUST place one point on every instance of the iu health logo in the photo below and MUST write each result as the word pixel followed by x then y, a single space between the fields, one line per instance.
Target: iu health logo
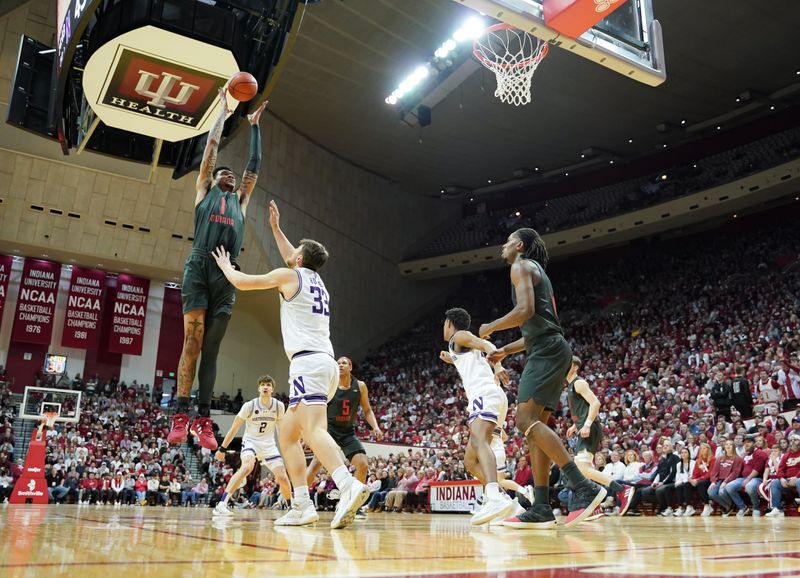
pixel 166 90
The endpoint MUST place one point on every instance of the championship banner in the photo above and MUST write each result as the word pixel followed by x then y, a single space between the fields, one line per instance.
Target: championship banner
pixel 461 496
pixel 36 304
pixel 84 308
pixel 130 309
pixel 5 275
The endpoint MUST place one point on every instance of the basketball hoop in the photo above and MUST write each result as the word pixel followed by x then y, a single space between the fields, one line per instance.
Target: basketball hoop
pixel 513 56
pixel 49 419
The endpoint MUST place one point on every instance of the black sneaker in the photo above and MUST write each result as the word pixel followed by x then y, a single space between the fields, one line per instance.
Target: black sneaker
pixel 523 501
pixel 633 513
pixel 586 496
pixel 537 517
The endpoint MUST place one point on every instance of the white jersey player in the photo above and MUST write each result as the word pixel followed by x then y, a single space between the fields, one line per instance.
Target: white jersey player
pixel 313 371
pixel 486 401
pixel 260 417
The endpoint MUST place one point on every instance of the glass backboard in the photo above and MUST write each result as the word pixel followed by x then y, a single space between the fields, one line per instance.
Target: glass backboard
pixel 628 41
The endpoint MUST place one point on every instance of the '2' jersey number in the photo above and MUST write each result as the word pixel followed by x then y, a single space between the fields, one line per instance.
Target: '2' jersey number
pixel 320 301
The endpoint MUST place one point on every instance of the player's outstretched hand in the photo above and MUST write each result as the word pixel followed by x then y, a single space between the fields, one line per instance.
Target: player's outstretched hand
pixel 586 431
pixel 274 215
pixel 378 434
pixel 571 431
pixel 485 331
pixel 223 98
pixel 222 257
pixel 254 116
pixel 446 357
pixel 219 456
pixel 501 374
pixel 497 356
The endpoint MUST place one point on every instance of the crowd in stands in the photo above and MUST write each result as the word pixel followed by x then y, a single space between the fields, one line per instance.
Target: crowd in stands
pixel 691 345
pixel 579 208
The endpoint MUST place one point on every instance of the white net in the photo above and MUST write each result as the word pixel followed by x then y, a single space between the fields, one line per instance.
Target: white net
pixel 513 56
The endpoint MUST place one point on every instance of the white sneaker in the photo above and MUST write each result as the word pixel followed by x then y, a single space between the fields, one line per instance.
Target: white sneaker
pixel 741 513
pixel 775 513
pixel 350 500
pixel 299 515
pixel 707 511
pixel 516 511
pixel 499 507
pixel 609 502
pixel 666 513
pixel 678 512
pixel 688 512
pixel 756 513
pixel 222 509
pixel 527 491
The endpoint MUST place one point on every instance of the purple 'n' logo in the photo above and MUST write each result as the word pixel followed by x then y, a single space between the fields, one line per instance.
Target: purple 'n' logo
pixel 477 404
pixel 299 386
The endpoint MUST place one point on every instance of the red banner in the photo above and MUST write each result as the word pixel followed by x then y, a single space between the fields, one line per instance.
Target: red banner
pixel 36 304
pixel 5 275
pixel 84 308
pixel 130 310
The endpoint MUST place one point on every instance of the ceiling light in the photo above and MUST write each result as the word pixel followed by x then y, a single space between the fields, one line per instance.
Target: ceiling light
pixel 535 168
pixel 735 215
pixel 738 99
pixel 611 162
pixel 566 174
pixel 583 156
pixel 772 107
pixel 664 177
pixel 630 140
pixel 683 121
pixel 489 181
pixel 663 146
pixel 516 214
pixel 471 199
pixel 694 166
pixel 719 127
pixel 471 29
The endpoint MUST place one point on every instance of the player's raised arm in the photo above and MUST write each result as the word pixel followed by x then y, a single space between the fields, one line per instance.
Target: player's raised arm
pixel 523 310
pixel 285 248
pixel 209 161
pixel 284 279
pixel 369 415
pixel 468 340
pixel 237 423
pixel 254 163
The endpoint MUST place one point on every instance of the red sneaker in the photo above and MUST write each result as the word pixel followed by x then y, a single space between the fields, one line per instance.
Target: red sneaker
pixel 202 427
pixel 625 497
pixel 180 429
pixel 598 513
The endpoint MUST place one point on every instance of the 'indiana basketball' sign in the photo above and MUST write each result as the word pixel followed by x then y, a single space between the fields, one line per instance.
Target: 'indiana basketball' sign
pixel 130 309
pixel 157 83
pixel 459 496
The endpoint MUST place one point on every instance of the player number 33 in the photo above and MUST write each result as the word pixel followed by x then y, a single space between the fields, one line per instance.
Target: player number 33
pixel 320 301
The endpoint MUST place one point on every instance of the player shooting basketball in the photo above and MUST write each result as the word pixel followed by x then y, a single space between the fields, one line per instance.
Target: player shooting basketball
pixel 219 212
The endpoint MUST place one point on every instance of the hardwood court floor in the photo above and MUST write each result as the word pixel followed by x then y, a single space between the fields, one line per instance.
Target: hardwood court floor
pixel 89 541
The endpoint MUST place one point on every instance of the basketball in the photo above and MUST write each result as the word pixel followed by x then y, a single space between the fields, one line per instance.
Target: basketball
pixel 242 86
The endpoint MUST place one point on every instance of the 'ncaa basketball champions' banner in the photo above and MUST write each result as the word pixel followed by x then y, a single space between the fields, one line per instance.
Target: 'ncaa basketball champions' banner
pixel 5 274
pixel 36 303
pixel 130 309
pixel 84 308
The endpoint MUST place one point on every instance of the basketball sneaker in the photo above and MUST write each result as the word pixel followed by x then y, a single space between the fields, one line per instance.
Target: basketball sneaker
pixel 360 514
pixel 708 510
pixel 625 497
pixel 586 496
pixel 775 513
pixel 299 515
pixel 499 507
pixel 203 428
pixel 527 491
pixel 350 500
pixel 515 512
pixel 180 429
pixel 598 513
pixel 222 509
pixel 689 511
pixel 537 517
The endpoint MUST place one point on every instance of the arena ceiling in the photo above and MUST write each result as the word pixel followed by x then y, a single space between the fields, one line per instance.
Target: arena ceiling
pixel 350 54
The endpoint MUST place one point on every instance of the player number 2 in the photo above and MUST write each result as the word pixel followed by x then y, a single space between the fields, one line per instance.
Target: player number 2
pixel 320 301
pixel 262 427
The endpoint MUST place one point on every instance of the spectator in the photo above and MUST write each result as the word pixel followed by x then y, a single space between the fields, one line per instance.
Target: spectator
pixel 726 469
pixel 788 477
pixel 683 489
pixel 754 463
pixel 700 480
pixel 394 499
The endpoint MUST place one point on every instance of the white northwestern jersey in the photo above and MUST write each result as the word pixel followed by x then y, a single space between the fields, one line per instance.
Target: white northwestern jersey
pixel 476 374
pixel 261 420
pixel 306 316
